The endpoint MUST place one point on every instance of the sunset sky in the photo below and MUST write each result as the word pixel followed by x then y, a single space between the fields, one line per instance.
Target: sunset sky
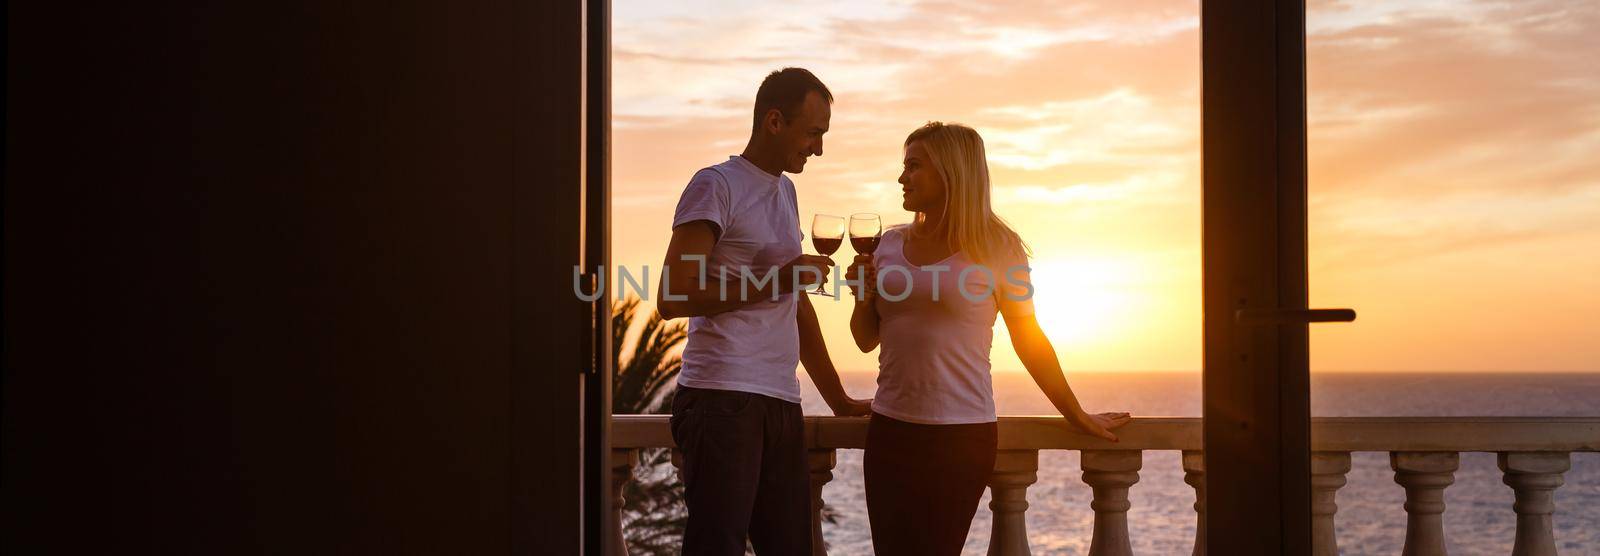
pixel 1454 149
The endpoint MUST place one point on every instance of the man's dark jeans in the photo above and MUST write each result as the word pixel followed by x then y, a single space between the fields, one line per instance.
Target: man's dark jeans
pixel 744 473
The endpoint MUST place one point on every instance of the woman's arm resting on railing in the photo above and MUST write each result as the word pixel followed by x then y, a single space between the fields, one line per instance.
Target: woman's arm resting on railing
pixel 1039 357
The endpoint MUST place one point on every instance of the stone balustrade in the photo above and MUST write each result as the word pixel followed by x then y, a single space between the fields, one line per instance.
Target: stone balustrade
pixel 1533 452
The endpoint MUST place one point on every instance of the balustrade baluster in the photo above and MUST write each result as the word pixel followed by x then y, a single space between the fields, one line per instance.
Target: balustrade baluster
pixel 1194 473
pixel 677 463
pixel 1110 473
pixel 623 460
pixel 1424 476
pixel 1327 475
pixel 1014 471
pixel 1534 477
pixel 821 463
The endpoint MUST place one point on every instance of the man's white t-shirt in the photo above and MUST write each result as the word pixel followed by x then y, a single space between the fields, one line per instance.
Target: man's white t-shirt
pixel 754 348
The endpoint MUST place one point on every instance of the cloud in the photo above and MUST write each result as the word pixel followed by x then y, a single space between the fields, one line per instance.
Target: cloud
pixel 1494 87
pixel 1435 131
pixel 1120 126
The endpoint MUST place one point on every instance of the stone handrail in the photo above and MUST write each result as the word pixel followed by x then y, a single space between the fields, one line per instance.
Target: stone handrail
pixel 1534 452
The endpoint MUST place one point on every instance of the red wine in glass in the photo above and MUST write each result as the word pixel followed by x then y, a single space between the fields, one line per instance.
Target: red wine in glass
pixel 865 231
pixel 827 234
pixel 864 245
pixel 828 245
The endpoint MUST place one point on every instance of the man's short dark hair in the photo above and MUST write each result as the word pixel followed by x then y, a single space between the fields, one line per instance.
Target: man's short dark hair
pixel 786 90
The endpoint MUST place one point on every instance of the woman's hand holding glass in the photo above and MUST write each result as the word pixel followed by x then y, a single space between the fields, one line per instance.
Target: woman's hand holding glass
pixel 866 230
pixel 863 269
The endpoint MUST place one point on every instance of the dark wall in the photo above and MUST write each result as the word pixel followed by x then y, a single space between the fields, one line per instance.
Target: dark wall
pixel 267 275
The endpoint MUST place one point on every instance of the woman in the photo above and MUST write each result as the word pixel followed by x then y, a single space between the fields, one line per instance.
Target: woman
pixel 931 439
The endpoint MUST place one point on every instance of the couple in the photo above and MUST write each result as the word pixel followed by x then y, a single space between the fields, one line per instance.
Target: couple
pixel 932 436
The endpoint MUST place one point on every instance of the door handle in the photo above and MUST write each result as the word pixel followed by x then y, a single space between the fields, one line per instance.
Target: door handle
pixel 1274 317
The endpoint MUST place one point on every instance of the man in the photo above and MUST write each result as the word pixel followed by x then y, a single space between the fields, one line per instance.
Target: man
pixel 736 414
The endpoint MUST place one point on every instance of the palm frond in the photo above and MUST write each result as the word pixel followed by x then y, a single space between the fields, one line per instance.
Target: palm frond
pixel 653 511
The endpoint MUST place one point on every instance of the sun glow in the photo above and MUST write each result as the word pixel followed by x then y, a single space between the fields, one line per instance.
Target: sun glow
pixel 1082 301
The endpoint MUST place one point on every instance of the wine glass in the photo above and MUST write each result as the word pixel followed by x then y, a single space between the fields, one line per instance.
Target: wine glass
pixel 827 234
pixel 865 231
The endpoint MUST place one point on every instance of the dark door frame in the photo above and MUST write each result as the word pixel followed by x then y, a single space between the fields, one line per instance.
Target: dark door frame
pixel 560 399
pixel 562 385
pixel 597 253
pixel 1257 409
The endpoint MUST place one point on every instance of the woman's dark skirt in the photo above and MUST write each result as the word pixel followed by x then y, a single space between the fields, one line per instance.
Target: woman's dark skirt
pixel 924 483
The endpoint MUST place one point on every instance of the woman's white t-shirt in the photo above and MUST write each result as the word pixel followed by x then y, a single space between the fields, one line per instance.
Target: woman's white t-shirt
pixel 933 363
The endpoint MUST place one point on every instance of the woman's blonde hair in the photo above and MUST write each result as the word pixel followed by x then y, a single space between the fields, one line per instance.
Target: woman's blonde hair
pixel 956 152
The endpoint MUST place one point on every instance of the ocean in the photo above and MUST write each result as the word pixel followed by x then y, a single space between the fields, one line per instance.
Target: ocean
pixel 1477 519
